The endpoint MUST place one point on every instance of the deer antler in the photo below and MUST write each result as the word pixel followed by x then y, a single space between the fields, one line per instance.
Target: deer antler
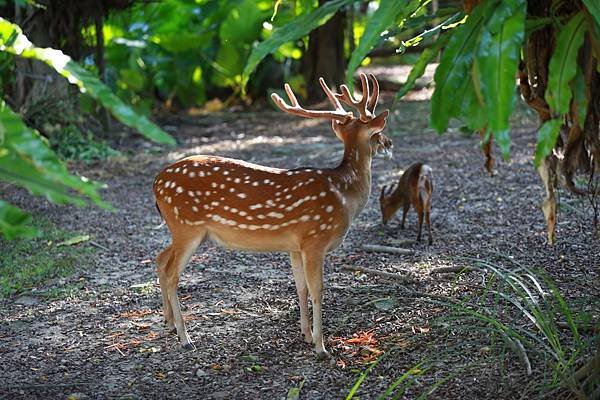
pixel 366 102
pixel 372 103
pixel 339 114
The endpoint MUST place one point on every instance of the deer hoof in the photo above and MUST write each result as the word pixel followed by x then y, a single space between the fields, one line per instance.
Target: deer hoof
pixel 188 346
pixel 323 355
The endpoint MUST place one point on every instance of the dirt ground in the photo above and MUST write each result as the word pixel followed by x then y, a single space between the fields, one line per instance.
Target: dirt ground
pixel 108 340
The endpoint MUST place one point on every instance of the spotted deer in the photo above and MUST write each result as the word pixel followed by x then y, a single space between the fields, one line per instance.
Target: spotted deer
pixel 305 212
pixel 414 188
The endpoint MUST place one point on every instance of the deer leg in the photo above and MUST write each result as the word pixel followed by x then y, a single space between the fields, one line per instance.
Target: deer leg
pixel 420 213
pixel 181 251
pixel 302 289
pixel 547 171
pixel 312 262
pixel 405 209
pixel 161 262
pixel 428 222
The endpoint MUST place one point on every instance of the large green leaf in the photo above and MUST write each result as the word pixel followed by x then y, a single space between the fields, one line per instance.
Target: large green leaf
pixel 498 59
pixel 563 64
pixel 579 96
pixel 26 160
pixel 547 135
pixel 593 6
pixel 455 66
pixel 301 26
pixel 419 68
pixel 13 41
pixel 385 15
pixel 15 223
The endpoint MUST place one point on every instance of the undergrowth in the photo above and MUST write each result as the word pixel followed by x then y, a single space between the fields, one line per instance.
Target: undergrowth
pixel 27 264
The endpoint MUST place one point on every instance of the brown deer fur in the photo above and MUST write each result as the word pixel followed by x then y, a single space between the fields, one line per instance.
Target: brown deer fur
pixel 305 212
pixel 414 188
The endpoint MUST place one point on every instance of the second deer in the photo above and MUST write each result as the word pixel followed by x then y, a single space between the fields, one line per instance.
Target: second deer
pixel 414 188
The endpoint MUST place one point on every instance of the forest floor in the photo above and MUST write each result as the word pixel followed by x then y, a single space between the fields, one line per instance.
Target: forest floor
pixel 105 337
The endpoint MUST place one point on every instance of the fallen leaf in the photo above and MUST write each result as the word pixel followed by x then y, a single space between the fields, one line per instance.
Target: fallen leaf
pixel 74 240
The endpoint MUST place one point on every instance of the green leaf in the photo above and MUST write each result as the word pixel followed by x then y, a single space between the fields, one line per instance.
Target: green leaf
pixel 13 41
pixel 14 223
pixel 455 66
pixel 593 6
pixel 547 135
pixel 26 160
pixel 74 240
pixel 580 97
pixel 454 20
pixel 384 17
pixel 294 30
pixel 563 64
pixel 419 68
pixel 498 58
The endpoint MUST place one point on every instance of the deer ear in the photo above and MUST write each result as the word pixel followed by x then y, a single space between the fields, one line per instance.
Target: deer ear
pixel 378 123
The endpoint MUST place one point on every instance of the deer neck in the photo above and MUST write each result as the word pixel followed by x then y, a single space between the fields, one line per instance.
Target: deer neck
pixel 354 176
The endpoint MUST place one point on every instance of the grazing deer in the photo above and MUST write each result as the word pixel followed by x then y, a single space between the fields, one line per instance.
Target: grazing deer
pixel 305 212
pixel 415 187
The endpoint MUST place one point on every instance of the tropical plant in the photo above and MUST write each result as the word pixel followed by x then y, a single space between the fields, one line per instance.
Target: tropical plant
pixel 25 157
pixel 555 51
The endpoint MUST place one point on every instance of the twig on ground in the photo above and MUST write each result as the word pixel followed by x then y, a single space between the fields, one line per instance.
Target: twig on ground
pixel 386 249
pixel 445 270
pixel 99 245
pixel 384 274
pixel 584 327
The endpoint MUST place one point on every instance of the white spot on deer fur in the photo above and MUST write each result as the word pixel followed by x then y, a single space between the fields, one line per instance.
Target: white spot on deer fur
pixel 305 218
pixel 328 227
pixel 231 190
pixel 198 193
pixel 329 208
pixel 176 211
pixel 255 206
pixel 190 193
pixel 195 164
pixel 168 199
pixel 255 183
pixel 289 173
pixel 222 186
pixel 243 213
pixel 206 206
pixel 225 208
pixel 274 214
pixel 242 195
pixel 281 206
pixel 277 194
pixel 177 170
pixel 260 216
pixel 250 218
pixel 161 191
pixel 213 184
pixel 293 221
pixel 266 181
pixel 207 193
pixel 313 197
pixel 192 174
pixel 197 201
pixel 216 168
pixel 329 219
pixel 271 203
pixel 323 227
pixel 184 171
pixel 228 179
pixel 237 180
pixel 234 210
pixel 317 217
pixel 274 227
pixel 225 172
pixel 169 169
pixel 322 194
pixel 253 227
pixel 194 209
pixel 179 189
pixel 201 173
pixel 266 226
pixel 312 232
pixel 215 203
pixel 243 226
pixel 289 196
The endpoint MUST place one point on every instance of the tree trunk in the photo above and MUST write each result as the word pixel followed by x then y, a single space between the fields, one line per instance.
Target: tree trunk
pixel 324 56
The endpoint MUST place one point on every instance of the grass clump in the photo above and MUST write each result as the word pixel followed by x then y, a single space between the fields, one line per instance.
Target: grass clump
pixel 27 264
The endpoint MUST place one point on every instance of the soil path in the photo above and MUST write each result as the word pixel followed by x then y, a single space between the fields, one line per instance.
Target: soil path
pixel 108 339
